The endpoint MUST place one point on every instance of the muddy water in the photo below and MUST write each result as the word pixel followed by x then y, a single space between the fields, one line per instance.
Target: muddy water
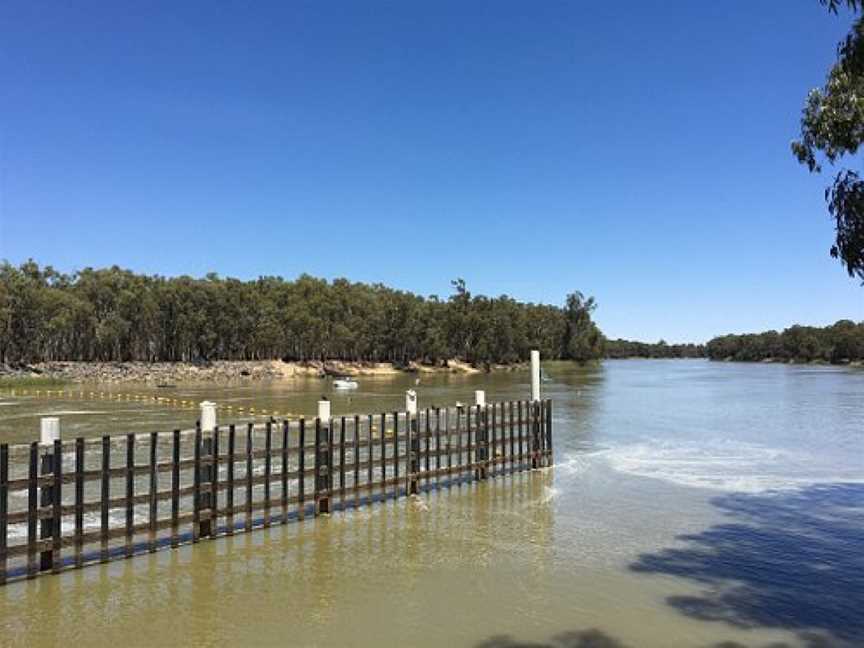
pixel 691 503
pixel 94 410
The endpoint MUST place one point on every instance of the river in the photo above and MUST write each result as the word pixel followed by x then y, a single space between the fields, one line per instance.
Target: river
pixel 690 503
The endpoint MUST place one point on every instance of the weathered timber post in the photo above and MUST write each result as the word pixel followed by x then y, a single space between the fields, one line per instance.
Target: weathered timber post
pixel 413 440
pixel 481 436
pixel 323 476
pixel 534 422
pixel 497 439
pixel 342 462
pixel 535 410
pixel 4 509
pixel 207 503
pixel 49 438
pixel 301 470
pixel 196 488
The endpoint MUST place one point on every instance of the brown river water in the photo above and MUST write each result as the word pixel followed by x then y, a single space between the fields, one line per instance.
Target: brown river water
pixel 690 504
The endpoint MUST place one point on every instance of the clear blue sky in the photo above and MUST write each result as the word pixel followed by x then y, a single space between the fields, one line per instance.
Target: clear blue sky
pixel 638 152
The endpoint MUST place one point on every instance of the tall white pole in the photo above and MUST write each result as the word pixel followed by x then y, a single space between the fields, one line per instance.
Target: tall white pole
pixel 411 402
pixel 535 375
pixel 480 398
pixel 49 430
pixel 324 410
pixel 208 416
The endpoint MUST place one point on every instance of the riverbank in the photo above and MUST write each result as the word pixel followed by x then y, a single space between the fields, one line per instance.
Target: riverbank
pixel 794 361
pixel 168 373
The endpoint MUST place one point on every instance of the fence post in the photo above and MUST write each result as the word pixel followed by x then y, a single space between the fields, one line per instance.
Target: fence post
pixel 413 440
pixel 301 470
pixel 535 434
pixel 196 488
pixel 208 426
pixel 481 436
pixel 323 478
pixel 49 433
pixel 4 509
pixel 493 443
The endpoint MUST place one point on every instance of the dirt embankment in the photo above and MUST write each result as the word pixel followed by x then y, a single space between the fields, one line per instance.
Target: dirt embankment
pixel 222 370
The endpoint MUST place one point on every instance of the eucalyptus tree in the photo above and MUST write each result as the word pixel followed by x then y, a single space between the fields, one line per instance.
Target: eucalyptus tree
pixel 832 129
pixel 583 340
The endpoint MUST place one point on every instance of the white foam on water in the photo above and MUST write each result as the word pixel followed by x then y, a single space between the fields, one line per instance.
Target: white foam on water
pixel 575 463
pixel 549 494
pixel 90 522
pixel 725 465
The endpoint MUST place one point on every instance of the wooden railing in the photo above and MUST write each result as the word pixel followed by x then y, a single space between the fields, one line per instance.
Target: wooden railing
pixel 71 504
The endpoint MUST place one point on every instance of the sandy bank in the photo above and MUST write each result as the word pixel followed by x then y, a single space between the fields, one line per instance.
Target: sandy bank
pixel 224 370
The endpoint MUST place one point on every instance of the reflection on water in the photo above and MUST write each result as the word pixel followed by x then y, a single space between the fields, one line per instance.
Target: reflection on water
pixel 690 504
pixel 595 638
pixel 332 577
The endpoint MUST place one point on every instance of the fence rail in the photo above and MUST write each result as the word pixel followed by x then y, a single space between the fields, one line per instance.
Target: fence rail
pixel 93 500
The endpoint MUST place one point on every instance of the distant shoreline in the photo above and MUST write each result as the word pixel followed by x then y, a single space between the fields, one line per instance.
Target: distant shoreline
pixel 167 373
pixel 793 361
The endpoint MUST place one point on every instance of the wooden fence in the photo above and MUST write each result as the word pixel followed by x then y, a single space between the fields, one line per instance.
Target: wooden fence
pixel 94 500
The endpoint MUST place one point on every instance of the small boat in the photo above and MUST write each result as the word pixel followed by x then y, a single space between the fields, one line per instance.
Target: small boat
pixel 543 377
pixel 345 383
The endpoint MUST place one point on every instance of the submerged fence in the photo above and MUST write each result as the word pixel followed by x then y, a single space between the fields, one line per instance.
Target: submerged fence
pixel 93 500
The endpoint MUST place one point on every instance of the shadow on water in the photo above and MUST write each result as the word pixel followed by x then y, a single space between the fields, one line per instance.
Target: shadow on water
pixel 594 638
pixel 578 639
pixel 791 561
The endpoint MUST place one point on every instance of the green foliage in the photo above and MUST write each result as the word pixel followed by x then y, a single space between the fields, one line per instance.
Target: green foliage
pixel 840 343
pixel 631 349
pixel 834 5
pixel 832 126
pixel 113 314
pixel 583 341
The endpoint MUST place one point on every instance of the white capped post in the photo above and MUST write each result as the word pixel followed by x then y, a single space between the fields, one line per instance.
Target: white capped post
pixel 413 423
pixel 324 410
pixel 208 424
pixel 49 430
pixel 323 457
pixel 411 402
pixel 208 416
pixel 535 375
pixel 49 434
pixel 480 397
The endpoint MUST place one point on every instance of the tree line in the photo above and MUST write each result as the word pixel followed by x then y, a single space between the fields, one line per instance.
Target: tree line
pixel 617 349
pixel 839 343
pixel 112 314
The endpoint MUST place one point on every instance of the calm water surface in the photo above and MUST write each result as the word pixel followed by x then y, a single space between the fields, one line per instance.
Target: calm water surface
pixel 690 504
